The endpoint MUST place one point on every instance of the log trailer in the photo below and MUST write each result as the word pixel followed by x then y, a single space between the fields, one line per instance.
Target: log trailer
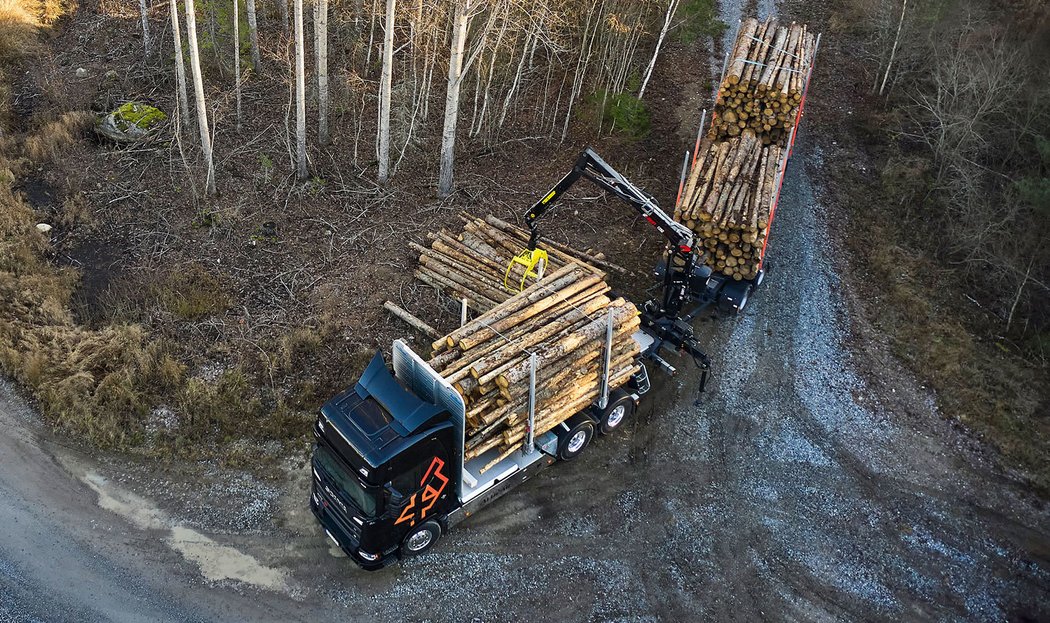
pixel 389 475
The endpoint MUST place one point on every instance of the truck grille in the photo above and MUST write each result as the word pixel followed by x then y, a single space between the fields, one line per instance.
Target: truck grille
pixel 333 508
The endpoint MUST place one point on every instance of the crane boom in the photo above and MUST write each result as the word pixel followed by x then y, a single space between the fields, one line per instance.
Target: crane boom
pixel 685 279
pixel 592 167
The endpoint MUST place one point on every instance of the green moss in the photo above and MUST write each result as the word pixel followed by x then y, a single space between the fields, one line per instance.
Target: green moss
pixel 143 116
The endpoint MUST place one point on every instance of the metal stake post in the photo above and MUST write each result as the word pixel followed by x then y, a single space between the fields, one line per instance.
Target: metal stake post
pixel 530 437
pixel 699 135
pixel 463 313
pixel 603 401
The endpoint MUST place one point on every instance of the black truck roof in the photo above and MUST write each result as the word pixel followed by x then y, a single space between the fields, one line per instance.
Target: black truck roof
pixel 378 417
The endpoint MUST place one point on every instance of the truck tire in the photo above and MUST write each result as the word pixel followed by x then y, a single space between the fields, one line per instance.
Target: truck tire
pixel 420 540
pixel 572 442
pixel 733 298
pixel 759 278
pixel 621 406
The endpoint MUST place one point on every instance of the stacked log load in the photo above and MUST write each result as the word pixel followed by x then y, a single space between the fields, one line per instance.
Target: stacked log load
pixel 764 82
pixel 562 318
pixel 727 202
pixel 473 263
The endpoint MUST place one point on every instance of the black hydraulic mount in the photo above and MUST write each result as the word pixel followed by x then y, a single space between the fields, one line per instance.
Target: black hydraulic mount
pixel 686 280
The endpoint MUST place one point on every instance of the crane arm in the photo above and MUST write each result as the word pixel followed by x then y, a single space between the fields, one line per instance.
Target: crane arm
pixel 591 166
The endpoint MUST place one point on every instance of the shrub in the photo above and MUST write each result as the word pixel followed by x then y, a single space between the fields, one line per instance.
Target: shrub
pixel 626 114
pixel 700 18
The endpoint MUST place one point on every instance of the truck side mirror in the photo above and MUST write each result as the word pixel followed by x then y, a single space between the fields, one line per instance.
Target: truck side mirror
pixel 394 498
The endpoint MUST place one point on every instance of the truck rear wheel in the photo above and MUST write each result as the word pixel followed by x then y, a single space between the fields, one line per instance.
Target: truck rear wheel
pixel 421 539
pixel 572 442
pixel 620 407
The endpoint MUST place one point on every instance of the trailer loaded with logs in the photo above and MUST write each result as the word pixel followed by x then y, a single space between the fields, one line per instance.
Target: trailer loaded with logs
pixel 552 356
pixel 730 192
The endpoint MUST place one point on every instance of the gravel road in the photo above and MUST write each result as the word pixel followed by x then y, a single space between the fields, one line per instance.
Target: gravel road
pixel 791 490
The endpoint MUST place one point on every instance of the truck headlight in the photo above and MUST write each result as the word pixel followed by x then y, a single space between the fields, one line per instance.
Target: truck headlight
pixel 369 557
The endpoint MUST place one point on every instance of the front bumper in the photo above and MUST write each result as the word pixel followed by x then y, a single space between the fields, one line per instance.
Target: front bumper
pixel 346 542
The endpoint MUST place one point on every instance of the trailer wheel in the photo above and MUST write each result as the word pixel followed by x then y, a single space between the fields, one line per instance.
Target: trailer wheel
pixel 572 442
pixel 620 407
pixel 760 277
pixel 421 539
pixel 733 298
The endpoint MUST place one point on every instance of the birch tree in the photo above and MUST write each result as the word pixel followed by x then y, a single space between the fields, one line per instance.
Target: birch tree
pixel 282 5
pixel 321 56
pixel 144 11
pixel 672 6
pixel 253 36
pixel 300 92
pixel 893 50
pixel 198 91
pixel 463 13
pixel 237 59
pixel 180 66
pixel 385 84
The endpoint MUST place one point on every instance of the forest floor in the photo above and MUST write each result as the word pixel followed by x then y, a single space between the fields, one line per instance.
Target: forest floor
pixel 814 481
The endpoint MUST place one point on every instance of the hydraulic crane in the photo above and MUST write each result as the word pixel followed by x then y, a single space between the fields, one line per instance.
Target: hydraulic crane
pixel 688 286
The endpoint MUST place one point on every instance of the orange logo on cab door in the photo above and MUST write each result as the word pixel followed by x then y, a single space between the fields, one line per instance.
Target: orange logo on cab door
pixel 433 483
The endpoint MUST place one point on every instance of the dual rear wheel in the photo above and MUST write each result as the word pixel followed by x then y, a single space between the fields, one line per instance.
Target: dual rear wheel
pixel 578 430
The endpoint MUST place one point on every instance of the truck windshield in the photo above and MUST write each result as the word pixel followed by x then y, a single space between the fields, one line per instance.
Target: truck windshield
pixel 347 483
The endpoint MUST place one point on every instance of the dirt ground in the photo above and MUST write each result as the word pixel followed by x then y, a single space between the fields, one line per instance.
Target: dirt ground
pixel 813 481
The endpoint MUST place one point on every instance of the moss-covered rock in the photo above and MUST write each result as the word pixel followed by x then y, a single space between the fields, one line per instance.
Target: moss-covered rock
pixel 132 122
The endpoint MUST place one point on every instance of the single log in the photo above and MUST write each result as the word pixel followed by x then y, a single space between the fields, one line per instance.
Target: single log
pixel 416 323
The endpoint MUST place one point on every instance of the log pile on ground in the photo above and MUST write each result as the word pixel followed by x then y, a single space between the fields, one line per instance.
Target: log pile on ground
pixel 764 82
pixel 562 318
pixel 473 263
pixel 727 202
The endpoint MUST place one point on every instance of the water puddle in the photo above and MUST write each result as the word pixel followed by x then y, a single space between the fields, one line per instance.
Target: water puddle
pixel 215 561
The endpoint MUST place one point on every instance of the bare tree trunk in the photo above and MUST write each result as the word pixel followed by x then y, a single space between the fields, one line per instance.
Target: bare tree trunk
pixel 321 54
pixel 145 26
pixel 893 50
pixel 253 35
pixel 180 67
pixel 457 68
pixel 492 67
pixel 455 75
pixel 517 80
pixel 672 7
pixel 198 91
pixel 371 32
pixel 237 59
pixel 300 92
pixel 282 6
pixel 385 84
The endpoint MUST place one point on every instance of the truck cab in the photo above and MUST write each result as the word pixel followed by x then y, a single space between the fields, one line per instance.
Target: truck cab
pixel 382 466
pixel 388 472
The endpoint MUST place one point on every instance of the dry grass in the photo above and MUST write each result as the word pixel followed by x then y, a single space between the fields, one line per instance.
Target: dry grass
pixel 192 293
pixel 47 143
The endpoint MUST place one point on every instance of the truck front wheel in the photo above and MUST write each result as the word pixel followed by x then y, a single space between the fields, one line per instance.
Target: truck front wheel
pixel 616 412
pixel 421 539
pixel 573 441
